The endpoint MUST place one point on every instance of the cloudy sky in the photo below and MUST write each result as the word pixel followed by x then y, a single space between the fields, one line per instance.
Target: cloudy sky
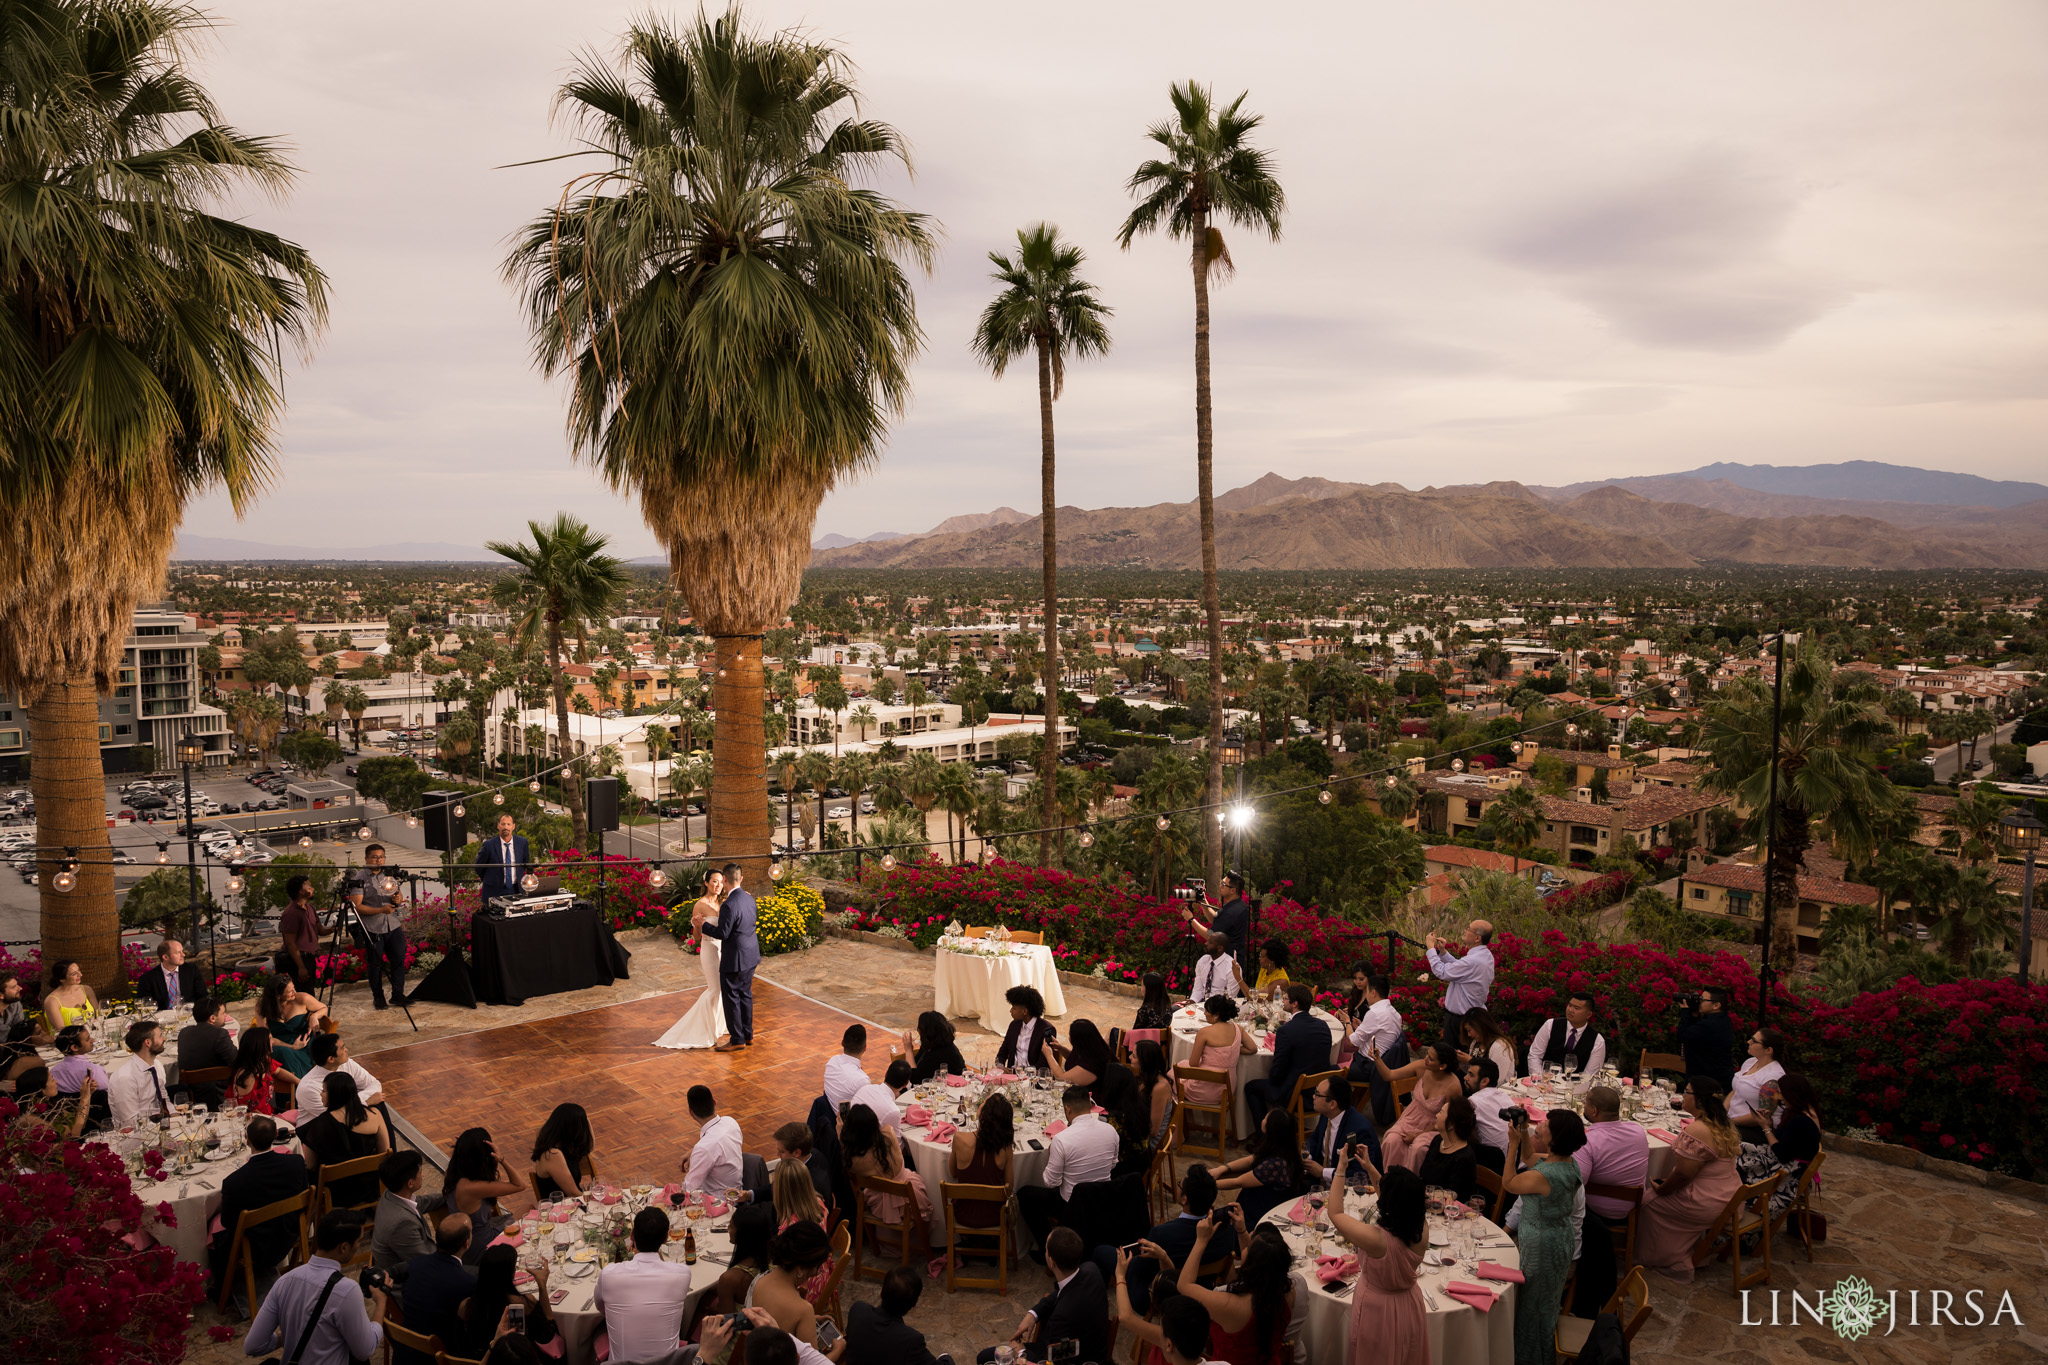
pixel 1545 243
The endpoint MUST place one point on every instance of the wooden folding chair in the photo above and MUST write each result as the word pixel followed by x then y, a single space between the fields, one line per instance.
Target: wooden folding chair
pixel 1630 1302
pixel 1802 1196
pixel 299 1204
pixel 1127 1041
pixel 397 1334
pixel 1624 1233
pixel 342 1170
pixel 863 1225
pixel 1026 936
pixel 1184 1105
pixel 1302 1103
pixel 443 1358
pixel 827 1301
pixel 1653 1062
pixel 1402 1087
pixel 1161 1191
pixel 1490 1181
pixel 1005 1247
pixel 284 1092
pixel 1736 1219
pixel 202 1076
pixel 328 1025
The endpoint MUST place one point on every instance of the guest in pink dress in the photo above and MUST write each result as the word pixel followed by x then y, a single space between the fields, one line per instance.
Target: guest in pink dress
pixel 1436 1085
pixel 1388 1324
pixel 1217 1046
pixel 1681 1206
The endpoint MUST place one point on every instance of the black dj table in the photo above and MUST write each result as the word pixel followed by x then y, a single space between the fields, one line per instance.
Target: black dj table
pixel 527 955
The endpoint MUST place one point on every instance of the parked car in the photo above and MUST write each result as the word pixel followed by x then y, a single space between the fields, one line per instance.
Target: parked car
pixel 121 855
pixel 838 813
pixel 230 808
pixel 349 770
pixel 867 806
pixel 151 801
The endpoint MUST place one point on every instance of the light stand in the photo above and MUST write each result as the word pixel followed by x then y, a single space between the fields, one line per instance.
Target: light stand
pixel 191 751
pixel 2020 832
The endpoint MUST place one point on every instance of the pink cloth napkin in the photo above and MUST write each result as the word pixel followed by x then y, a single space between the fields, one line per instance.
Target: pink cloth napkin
pixel 670 1191
pixel 509 1239
pixel 1097 1109
pixel 1659 1135
pixel 994 1078
pixel 1330 1269
pixel 1473 1295
pixel 917 1116
pixel 958 1082
pixel 1490 1270
pixel 1056 1127
pixel 715 1209
pixel 610 1197
pixel 1299 1213
pixel 942 1132
pixel 1266 1043
pixel 561 1215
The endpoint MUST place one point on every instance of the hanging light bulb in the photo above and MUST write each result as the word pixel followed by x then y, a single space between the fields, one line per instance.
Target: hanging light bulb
pixel 163 854
pixel 1087 839
pixel 1324 796
pixel 528 882
pixel 64 880
pixel 657 879
pixel 1457 765
pixel 534 786
pixel 1163 823
pixel 1516 746
pixel 234 881
pixel 459 812
pixel 774 872
pixel 1219 817
pixel 363 832
pixel 305 841
pixel 888 862
pixel 497 798
pixel 412 821
pixel 240 849
pixel 387 885
pixel 1392 782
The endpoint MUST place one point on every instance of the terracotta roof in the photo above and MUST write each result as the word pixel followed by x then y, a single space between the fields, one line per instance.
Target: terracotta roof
pixel 1592 758
pixel 1454 855
pixel 1675 767
pixel 1654 807
pixel 1744 877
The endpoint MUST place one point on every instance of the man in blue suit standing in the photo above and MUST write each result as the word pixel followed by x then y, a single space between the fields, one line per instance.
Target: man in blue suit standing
pixel 501 861
pixel 740 954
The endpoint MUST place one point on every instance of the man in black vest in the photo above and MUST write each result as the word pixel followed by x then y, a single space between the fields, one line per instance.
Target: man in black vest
pixel 1570 1042
pixel 1076 1310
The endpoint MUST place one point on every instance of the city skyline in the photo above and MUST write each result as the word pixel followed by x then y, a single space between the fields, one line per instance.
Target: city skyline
pixel 1547 247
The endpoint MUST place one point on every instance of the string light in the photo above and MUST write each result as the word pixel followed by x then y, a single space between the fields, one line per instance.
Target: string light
pixel 163 854
pixel 305 841
pixel 657 879
pixel 1324 796
pixel 497 798
pixel 888 862
pixel 1163 823
pixel 529 882
pixel 387 885
pixel 412 821
pixel 1457 765
pixel 774 872
pixel 235 882
pixel 1087 839
pixel 459 812
pixel 534 786
pixel 363 833
pixel 64 880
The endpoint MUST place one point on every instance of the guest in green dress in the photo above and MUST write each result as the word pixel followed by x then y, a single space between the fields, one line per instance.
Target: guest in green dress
pixel 1547 1179
pixel 289 1013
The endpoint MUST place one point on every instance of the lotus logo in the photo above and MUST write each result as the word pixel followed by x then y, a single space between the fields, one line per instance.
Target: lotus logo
pixel 1853 1309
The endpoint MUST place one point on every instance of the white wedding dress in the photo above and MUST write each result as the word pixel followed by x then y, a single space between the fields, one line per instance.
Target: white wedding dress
pixel 705 1023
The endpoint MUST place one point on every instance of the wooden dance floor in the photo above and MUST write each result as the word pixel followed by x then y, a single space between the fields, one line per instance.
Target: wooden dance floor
pixel 509 1079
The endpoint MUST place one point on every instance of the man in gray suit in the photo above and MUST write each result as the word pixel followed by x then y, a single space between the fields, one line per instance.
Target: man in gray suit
pixel 734 930
pixel 402 1231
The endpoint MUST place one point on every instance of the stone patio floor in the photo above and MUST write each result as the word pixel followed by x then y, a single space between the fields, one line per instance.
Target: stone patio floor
pixel 1900 1230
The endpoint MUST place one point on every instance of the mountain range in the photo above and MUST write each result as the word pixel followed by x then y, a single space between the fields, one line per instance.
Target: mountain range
pixel 1720 513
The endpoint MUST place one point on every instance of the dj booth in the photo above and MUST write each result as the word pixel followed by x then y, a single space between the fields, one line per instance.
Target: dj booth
pixel 559 944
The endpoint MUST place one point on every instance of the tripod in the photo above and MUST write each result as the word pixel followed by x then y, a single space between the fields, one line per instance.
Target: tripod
pixel 347 919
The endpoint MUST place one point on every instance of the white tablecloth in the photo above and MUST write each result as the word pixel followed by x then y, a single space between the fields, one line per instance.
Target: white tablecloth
pixel 1189 1020
pixel 579 1319
pixel 112 1052
pixel 193 1198
pixel 934 1160
pixel 1458 1334
pixel 1661 1125
pixel 971 986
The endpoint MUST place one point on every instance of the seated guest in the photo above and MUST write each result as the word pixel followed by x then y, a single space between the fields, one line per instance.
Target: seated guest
pixel 982 1156
pixel 1703 1178
pixel 484 1310
pixel 1166 1247
pixel 252 1077
pixel 1766 1063
pixel 1082 1153
pixel 1436 1084
pixel 140 1088
pixel 1793 1108
pixel 35 1090
pixel 1024 1042
pixel 714 1163
pixel 1180 1337
pixel 1083 1059
pixel 1153 1085
pixel 1338 1126
pixel 401 1231
pixel 1076 1310
pixel 1273 1172
pixel 1375 1024
pixel 348 1327
pixel 876 1334
pixel 330 1054
pixel 1115 1093
pixel 795 1259
pixel 561 1147
pixel 74 1067
pixel 1617 1152
pixel 1571 1043
pixel 932 1049
pixel 1301 1047
pixel 845 1073
pixel 173 983
pixel 1483 1038
pixel 206 1043
pixel 67 1000
pixel 642 1299
pixel 882 1096
pixel 795 1201
pixel 476 1179
pixel 1216 1046
pixel 436 1285
pixel 1452 1161
pixel 795 1142
pixel 1389 1320
pixel 345 1130
pixel 1156 1010
pixel 17 1030
pixel 288 1014
pixel 1273 959
pixel 874 1153
pixel 1216 972
pixel 1489 1109
pixel 1247 1317
pixel 266 1177
pixel 752 1231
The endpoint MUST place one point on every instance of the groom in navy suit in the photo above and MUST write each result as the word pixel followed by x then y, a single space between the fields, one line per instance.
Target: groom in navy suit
pixel 501 861
pixel 741 953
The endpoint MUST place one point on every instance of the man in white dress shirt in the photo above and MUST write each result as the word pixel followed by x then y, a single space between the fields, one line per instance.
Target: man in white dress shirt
pixel 1571 1042
pixel 140 1089
pixel 1379 1023
pixel 714 1163
pixel 1467 978
pixel 1482 1081
pixel 1083 1153
pixel 642 1299
pixel 845 1073
pixel 882 1096
pixel 1217 972
pixel 330 1054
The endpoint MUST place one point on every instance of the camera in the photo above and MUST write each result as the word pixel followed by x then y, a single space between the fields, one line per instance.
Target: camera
pixel 1689 1001
pixel 372 1278
pixel 1514 1116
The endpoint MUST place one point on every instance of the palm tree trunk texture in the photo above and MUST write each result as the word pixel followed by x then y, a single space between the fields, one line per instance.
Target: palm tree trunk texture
pixel 1049 765
pixel 1212 602
pixel 572 790
pixel 1794 837
pixel 71 801
pixel 739 828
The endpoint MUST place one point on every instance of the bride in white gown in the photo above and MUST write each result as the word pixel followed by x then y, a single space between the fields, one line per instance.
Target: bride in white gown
pixel 705 1023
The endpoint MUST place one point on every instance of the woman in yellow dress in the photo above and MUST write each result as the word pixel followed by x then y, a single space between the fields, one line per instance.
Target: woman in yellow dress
pixel 67 1000
pixel 1273 957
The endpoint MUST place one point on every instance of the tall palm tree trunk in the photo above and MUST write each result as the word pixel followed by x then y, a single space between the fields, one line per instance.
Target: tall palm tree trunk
pixel 1049 764
pixel 1212 601
pixel 739 827
pixel 71 793
pixel 572 790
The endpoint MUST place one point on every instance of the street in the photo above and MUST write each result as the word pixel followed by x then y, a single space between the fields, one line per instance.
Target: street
pixel 1948 761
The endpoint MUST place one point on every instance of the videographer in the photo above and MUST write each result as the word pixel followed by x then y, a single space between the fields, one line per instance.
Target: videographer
pixel 1705 1035
pixel 385 942
pixel 315 1313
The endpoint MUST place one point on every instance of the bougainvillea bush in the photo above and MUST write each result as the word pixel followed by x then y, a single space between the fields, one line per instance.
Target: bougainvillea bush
pixel 1958 1071
pixel 76 1291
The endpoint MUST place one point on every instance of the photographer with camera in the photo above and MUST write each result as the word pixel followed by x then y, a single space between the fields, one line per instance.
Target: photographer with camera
pixel 315 1312
pixel 1705 1036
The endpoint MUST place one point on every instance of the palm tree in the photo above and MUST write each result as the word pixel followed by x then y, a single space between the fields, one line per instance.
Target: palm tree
pixel 1971 906
pixel 685 779
pixel 1046 310
pixel 814 770
pixel 1975 821
pixel 564 581
pixel 854 771
pixel 735 313
pixel 1830 729
pixel 863 719
pixel 921 781
pixel 1515 822
pixel 1210 171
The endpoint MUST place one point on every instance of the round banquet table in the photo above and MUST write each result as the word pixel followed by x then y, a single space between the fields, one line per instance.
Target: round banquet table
pixel 193 1198
pixel 109 1034
pixel 1458 1333
pixel 1189 1020
pixel 577 1316
pixel 1662 1125
pixel 971 985
pixel 958 1105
